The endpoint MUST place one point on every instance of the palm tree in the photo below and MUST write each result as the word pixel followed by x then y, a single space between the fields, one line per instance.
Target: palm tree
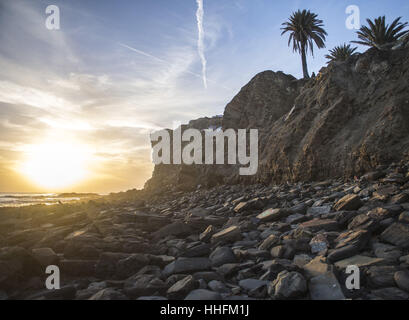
pixel 340 53
pixel 379 33
pixel 304 29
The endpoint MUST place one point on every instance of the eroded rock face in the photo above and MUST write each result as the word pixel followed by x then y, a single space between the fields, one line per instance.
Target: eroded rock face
pixel 351 118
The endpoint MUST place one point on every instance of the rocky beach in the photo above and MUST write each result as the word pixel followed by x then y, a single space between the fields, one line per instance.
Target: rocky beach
pixel 290 241
pixel 332 191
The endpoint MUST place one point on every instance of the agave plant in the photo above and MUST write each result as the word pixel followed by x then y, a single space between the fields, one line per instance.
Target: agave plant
pixel 305 30
pixel 379 33
pixel 340 53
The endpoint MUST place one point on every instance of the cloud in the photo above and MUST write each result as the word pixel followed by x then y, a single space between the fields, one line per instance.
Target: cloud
pixel 200 40
pixel 110 100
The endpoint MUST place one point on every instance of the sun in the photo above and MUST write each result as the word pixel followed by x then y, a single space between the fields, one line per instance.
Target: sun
pixel 56 165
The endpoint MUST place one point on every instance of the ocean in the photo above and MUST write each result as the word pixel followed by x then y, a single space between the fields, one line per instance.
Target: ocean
pixel 27 199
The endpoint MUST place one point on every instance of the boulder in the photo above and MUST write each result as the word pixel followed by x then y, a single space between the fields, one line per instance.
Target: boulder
pixel 397 234
pixel 187 265
pixel 349 202
pixel 325 287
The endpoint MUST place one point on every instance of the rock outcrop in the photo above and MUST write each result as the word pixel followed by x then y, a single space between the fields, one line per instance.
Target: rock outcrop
pixel 349 119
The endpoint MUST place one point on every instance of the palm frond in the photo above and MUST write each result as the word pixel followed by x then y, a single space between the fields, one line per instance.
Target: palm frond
pixel 378 33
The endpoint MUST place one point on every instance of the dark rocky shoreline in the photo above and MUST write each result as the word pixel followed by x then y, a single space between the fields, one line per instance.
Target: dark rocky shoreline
pixel 288 241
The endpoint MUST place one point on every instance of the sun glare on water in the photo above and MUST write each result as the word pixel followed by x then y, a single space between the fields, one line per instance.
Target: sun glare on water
pixel 56 165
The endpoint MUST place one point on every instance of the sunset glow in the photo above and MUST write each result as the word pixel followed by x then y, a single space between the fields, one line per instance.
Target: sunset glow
pixel 56 165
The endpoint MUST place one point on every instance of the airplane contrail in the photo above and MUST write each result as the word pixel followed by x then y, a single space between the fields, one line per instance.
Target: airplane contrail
pixel 143 53
pixel 200 40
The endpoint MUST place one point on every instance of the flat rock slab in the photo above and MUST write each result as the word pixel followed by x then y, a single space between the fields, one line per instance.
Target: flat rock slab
pixel 316 267
pixel 359 261
pixel 229 234
pixel 316 211
pixel 187 265
pixel 320 224
pixel 325 287
pixel 202 294
pixel 397 234
pixel 270 215
pixel 45 256
pixel 348 203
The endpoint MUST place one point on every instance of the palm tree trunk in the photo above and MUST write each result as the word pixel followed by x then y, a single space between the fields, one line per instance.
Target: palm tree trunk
pixel 304 63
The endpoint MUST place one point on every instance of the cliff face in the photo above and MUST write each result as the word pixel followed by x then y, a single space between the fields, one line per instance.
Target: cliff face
pixel 351 118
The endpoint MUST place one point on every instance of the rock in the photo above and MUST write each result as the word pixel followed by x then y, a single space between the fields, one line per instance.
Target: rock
pixel 181 288
pixel 320 224
pixel 222 255
pixel 322 124
pixel 389 294
pixel 317 211
pixel 269 242
pixel 229 234
pixel 300 260
pixel 108 294
pixel 177 229
pixel 384 193
pixel 207 276
pixel 199 250
pixel 319 243
pixel 207 234
pixel 316 267
pixel 325 287
pixel 254 287
pixel 93 288
pixel 386 251
pixel 241 206
pixel 359 261
pixel 402 279
pixel 199 212
pixel 64 293
pixel 152 298
pixel 296 218
pixel 271 215
pixel 289 285
pixel 144 285
pixel 381 276
pixel 45 256
pixel 363 221
pixel 381 213
pixel 107 264
pixel 397 234
pixel 349 202
pixel 218 286
pixel 130 265
pixel 228 270
pixel 202 294
pixel 187 265
pixel 400 198
pixel 404 217
pixel 3 296
pixel 17 263
pixel 348 244
pixel 278 251
pixel 78 268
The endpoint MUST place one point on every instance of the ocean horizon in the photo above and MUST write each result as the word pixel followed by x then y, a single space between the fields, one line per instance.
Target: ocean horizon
pixel 22 199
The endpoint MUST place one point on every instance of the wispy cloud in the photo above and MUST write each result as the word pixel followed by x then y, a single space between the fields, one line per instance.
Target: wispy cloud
pixel 165 62
pixel 200 40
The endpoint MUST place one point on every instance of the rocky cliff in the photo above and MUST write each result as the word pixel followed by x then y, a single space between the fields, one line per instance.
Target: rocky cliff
pixel 349 119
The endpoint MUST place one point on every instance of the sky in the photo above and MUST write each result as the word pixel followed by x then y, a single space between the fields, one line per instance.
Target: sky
pixel 83 99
